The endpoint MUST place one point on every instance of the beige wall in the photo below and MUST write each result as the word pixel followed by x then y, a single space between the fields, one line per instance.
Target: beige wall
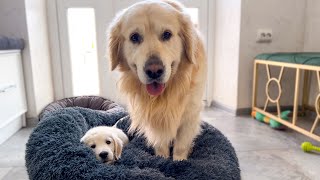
pixel 312 39
pixel 227 39
pixel 312 30
pixel 295 25
pixel 286 18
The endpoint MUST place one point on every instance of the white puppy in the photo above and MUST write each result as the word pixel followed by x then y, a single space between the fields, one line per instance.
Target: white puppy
pixel 106 142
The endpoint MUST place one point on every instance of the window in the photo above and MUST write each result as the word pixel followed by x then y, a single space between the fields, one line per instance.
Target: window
pixel 83 51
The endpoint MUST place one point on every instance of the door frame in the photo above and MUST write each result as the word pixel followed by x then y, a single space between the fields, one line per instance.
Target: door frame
pixel 55 40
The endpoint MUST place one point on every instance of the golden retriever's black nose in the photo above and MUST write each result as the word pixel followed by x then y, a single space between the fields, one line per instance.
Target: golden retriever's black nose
pixel 154 67
pixel 103 155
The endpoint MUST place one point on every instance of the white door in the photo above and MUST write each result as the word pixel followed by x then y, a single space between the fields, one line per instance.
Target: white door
pixel 82 31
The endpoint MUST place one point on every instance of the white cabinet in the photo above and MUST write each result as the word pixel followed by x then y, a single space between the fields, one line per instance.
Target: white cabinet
pixel 12 94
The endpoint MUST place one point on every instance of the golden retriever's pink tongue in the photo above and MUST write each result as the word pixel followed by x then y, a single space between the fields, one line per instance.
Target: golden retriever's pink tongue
pixel 155 89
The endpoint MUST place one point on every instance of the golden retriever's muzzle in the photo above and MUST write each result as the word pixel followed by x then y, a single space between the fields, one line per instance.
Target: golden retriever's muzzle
pixel 154 70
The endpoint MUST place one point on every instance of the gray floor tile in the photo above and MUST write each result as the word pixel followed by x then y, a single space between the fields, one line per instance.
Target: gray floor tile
pixel 17 173
pixel 265 153
pixel 12 151
pixel 4 171
pixel 268 165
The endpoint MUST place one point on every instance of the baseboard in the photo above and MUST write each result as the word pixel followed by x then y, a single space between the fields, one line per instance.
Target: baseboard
pixel 243 111
pixel 223 107
pixel 247 111
pixel 11 128
pixel 32 122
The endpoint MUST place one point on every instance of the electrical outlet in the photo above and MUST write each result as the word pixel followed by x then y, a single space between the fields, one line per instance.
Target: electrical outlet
pixel 264 35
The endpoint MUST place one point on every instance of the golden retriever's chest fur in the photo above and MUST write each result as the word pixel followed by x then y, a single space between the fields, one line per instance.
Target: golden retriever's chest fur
pixel 153 116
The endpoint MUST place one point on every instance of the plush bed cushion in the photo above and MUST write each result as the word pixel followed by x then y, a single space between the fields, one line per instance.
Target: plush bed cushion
pixel 296 58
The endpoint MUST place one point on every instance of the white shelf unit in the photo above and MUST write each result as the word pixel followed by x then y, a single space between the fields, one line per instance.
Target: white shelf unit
pixel 12 94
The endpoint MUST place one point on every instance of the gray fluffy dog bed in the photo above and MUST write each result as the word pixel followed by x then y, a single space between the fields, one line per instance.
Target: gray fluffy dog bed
pixel 54 150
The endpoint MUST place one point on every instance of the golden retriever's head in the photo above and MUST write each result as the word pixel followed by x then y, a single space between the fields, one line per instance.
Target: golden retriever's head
pixel 150 39
pixel 106 142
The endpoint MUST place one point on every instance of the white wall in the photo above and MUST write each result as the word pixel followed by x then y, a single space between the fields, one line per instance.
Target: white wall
pixel 39 51
pixel 27 19
pixel 227 39
pixel 286 18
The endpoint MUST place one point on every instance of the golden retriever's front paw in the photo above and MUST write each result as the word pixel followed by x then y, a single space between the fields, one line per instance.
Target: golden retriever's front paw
pixel 163 152
pixel 163 155
pixel 179 157
pixel 180 154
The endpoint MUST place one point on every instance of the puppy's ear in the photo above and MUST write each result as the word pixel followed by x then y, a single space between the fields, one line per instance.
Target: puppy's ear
pixel 189 37
pixel 122 136
pixel 115 44
pixel 83 138
pixel 117 147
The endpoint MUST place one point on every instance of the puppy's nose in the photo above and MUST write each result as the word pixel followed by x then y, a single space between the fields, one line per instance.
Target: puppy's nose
pixel 154 67
pixel 103 155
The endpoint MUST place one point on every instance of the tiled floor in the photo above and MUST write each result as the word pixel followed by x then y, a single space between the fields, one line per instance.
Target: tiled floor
pixel 12 164
pixel 263 153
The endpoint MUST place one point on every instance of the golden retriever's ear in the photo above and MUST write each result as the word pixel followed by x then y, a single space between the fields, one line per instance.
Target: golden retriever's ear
pixel 187 33
pixel 188 36
pixel 115 43
pixel 117 147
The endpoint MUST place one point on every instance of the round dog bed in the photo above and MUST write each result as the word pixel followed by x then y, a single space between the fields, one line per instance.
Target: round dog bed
pixel 91 102
pixel 54 151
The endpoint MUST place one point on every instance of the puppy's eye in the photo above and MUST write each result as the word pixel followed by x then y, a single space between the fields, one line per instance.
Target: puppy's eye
pixel 166 35
pixel 93 146
pixel 108 142
pixel 136 38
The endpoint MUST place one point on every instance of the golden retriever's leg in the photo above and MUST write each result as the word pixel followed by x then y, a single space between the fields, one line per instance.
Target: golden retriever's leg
pixel 162 151
pixel 189 129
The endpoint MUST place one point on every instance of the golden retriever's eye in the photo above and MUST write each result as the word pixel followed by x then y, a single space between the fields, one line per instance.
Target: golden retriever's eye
pixel 166 35
pixel 136 38
pixel 108 142
pixel 134 66
pixel 93 146
pixel 172 64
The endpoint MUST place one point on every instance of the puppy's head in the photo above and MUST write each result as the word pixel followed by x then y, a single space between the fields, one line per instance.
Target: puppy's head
pixel 106 142
pixel 151 39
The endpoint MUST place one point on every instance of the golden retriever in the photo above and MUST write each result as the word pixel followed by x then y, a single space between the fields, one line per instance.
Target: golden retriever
pixel 162 60
pixel 106 142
